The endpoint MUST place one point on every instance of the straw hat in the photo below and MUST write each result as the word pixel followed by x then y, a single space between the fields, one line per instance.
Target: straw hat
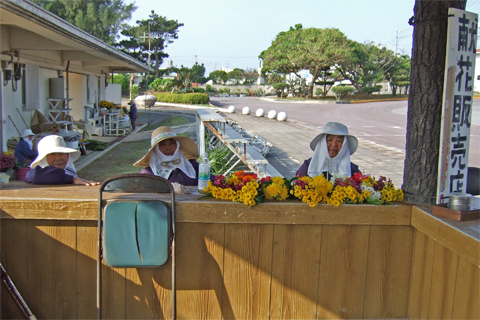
pixel 339 130
pixel 53 144
pixel 187 145
pixel 27 132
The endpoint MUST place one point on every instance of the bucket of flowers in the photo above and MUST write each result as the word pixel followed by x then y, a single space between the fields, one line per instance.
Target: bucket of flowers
pixel 21 168
pixel 248 189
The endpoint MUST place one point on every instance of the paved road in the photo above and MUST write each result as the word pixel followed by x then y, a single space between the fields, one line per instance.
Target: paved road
pixel 381 123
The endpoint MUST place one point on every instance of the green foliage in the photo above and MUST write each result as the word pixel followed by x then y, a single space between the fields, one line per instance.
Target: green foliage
pixel 221 159
pixel 312 49
pixel 134 91
pixel 101 18
pixel 156 84
pixel 369 90
pixel 342 91
pixel 210 88
pixel 367 64
pixel 162 32
pixel 399 74
pixel 122 79
pixel 198 90
pixel 218 77
pixel 187 98
pixel 236 75
pixel 198 73
pixel 319 92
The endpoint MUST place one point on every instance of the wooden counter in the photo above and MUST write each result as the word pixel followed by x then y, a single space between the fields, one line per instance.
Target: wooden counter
pixel 278 260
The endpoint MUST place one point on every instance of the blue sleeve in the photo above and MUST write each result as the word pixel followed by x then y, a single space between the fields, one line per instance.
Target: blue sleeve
pixel 23 152
pixel 48 175
pixel 302 171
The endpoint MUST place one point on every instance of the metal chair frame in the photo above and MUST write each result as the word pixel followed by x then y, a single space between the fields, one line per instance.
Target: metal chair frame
pixel 137 183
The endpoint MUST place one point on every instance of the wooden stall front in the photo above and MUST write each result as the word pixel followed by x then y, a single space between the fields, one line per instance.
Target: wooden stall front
pixel 278 260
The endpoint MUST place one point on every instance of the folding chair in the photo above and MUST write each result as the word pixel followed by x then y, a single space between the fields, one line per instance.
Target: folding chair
pixel 135 233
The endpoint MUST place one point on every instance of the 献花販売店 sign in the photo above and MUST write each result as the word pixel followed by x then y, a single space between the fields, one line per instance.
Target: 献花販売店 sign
pixel 457 102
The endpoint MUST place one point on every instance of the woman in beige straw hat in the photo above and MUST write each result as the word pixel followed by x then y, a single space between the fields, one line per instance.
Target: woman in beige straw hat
pixel 54 164
pixel 331 153
pixel 171 157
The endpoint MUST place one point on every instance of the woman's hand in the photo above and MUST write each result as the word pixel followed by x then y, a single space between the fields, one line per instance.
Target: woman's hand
pixel 85 182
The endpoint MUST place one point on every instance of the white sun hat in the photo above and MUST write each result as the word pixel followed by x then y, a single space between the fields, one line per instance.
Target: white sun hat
pixel 27 132
pixel 54 144
pixel 337 129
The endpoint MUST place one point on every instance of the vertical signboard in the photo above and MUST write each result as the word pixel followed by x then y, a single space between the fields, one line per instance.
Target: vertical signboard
pixel 457 102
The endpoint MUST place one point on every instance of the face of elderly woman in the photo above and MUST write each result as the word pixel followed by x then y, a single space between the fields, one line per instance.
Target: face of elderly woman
pixel 168 147
pixel 58 160
pixel 334 144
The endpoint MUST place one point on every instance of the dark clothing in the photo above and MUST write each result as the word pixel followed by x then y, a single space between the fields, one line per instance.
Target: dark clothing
pixel 303 170
pixel 48 175
pixel 133 115
pixel 23 152
pixel 178 175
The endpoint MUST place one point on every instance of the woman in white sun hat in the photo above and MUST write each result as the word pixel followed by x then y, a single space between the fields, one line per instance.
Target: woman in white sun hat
pixel 171 157
pixel 24 149
pixel 54 164
pixel 331 153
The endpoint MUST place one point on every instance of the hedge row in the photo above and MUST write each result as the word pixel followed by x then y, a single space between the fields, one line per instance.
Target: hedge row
pixel 185 98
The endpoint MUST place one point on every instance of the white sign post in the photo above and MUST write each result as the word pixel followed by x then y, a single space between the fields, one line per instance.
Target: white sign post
pixel 457 102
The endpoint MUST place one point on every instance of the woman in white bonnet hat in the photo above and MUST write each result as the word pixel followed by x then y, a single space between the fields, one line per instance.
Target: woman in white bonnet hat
pixel 331 153
pixel 54 164
pixel 172 157
pixel 24 149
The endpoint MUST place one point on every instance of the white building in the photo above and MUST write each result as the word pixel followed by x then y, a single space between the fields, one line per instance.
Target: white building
pixel 43 56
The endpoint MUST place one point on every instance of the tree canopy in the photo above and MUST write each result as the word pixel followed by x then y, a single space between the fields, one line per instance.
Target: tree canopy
pixel 103 19
pixel 312 49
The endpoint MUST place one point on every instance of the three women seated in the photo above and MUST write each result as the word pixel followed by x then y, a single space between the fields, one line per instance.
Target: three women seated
pixel 174 158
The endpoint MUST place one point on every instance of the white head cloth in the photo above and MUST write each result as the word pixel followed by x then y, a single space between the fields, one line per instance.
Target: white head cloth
pixel 163 165
pixel 30 143
pixel 321 161
pixel 69 168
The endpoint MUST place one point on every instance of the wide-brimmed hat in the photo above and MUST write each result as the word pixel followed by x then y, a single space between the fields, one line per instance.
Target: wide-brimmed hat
pixel 187 145
pixel 53 144
pixel 27 132
pixel 131 102
pixel 337 129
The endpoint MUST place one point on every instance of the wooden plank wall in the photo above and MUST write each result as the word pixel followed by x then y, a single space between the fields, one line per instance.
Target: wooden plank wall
pixel 230 271
pixel 444 284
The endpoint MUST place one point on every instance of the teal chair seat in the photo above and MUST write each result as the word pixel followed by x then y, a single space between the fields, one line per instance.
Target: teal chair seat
pixel 136 234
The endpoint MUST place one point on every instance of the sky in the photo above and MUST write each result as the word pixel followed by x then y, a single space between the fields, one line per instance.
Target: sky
pixel 232 33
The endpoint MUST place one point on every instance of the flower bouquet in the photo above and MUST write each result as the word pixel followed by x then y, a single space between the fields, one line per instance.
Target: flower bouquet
pixel 7 161
pixel 364 188
pixel 247 188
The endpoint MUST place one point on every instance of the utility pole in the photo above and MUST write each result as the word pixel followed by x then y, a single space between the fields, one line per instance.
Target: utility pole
pixel 148 64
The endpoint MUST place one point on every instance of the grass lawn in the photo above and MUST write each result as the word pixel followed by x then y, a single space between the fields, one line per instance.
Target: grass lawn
pixel 118 160
pixel 171 122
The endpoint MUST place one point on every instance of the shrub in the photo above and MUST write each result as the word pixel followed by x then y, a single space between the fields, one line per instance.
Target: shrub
pixel 156 84
pixel 187 98
pixel 318 92
pixel 342 91
pixel 210 88
pixel 198 90
pixel 369 90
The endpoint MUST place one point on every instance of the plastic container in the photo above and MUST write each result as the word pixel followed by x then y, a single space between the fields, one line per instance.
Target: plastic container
pixel 203 173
